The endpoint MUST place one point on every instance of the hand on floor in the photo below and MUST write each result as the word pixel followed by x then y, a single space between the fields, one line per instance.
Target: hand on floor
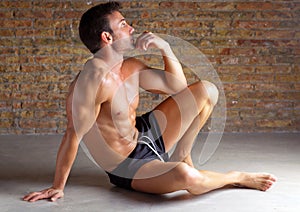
pixel 50 193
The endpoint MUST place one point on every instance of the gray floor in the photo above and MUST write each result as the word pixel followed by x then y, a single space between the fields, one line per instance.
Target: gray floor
pixel 27 164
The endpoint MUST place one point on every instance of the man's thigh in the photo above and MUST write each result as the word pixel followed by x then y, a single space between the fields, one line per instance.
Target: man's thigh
pixel 176 113
pixel 158 177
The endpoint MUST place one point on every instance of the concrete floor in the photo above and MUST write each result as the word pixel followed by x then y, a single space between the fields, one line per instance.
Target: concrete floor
pixel 27 164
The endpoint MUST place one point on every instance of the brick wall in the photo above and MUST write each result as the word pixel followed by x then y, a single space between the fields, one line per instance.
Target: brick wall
pixel 253 45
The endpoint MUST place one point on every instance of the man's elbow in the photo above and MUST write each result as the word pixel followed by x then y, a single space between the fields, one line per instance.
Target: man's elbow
pixel 178 87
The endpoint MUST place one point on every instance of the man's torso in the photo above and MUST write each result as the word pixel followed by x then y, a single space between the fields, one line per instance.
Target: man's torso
pixel 117 114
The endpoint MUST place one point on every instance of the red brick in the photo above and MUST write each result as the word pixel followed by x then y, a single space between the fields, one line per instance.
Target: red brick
pixel 26 59
pixel 39 105
pixel 33 14
pixel 274 87
pixel 272 34
pixel 236 69
pixel 254 6
pixel 24 32
pixel 15 23
pixel 6 14
pixel 289 95
pixel 255 77
pixel 237 87
pixel 50 5
pixel 257 60
pixel 46 23
pixel 255 42
pixel 54 59
pixel 39 124
pixel 287 78
pixel 15 4
pixel 6 115
pixel 6 33
pixel 216 5
pixel 4 123
pixel 52 96
pixel 182 5
pixel 274 123
pixel 23 96
pixel 8 59
pixel 144 4
pixel 48 114
pixel 66 14
pixel 272 105
pixel 273 69
pixel 26 114
pixel 274 15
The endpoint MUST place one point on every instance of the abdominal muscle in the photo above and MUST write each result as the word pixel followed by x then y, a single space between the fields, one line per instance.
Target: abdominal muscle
pixel 116 123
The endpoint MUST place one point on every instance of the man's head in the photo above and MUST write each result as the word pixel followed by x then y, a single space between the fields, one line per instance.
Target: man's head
pixel 94 23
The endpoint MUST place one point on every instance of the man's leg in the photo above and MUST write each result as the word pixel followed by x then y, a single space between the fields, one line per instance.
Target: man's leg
pixel 169 177
pixel 184 146
pixel 182 116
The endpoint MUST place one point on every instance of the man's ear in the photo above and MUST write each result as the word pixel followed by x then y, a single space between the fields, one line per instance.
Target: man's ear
pixel 106 37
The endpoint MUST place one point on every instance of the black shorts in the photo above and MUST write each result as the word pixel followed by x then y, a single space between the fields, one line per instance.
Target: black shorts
pixel 148 129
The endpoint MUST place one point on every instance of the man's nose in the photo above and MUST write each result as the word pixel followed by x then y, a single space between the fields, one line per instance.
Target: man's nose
pixel 131 29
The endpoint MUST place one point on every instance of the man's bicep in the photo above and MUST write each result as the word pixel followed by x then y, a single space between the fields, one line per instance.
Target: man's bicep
pixel 80 118
pixel 84 104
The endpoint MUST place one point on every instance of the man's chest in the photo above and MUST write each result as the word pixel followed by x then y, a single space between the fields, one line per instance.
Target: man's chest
pixel 123 93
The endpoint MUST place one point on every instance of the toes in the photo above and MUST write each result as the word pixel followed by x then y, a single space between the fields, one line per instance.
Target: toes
pixel 273 178
pixel 269 177
pixel 268 184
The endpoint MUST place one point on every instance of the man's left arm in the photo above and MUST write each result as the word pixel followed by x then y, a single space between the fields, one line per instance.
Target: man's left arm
pixel 173 76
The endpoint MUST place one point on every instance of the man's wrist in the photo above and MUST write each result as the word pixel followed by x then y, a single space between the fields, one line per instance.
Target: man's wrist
pixel 166 50
pixel 58 186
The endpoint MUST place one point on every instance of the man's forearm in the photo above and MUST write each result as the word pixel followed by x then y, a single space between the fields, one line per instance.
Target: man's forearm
pixel 65 159
pixel 175 76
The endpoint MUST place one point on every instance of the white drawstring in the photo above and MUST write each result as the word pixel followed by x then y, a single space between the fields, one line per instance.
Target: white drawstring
pixel 154 150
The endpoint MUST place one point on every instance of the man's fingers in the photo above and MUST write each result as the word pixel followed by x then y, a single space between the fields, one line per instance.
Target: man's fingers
pixel 31 195
pixel 58 195
pixel 39 196
pixel 143 40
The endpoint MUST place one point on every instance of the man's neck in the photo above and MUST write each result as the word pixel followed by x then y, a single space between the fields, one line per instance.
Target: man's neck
pixel 113 59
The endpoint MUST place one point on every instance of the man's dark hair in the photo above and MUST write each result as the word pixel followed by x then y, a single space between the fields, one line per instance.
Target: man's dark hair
pixel 93 22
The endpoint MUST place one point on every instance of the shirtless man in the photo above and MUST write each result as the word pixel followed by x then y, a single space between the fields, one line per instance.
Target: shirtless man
pixel 101 109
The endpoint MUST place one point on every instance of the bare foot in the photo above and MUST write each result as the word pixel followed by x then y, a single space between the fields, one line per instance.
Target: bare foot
pixel 259 181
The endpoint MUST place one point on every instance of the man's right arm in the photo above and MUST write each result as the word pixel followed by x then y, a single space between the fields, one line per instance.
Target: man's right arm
pixel 83 105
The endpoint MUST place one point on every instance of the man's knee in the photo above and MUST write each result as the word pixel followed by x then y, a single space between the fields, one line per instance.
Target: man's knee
pixel 211 90
pixel 187 175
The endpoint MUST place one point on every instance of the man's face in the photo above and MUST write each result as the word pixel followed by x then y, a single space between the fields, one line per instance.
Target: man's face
pixel 122 32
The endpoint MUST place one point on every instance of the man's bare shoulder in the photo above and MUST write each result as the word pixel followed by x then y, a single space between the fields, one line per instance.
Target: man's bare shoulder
pixel 89 79
pixel 94 68
pixel 93 71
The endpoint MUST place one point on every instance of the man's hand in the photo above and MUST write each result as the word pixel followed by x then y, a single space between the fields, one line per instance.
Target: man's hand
pixel 148 39
pixel 50 193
